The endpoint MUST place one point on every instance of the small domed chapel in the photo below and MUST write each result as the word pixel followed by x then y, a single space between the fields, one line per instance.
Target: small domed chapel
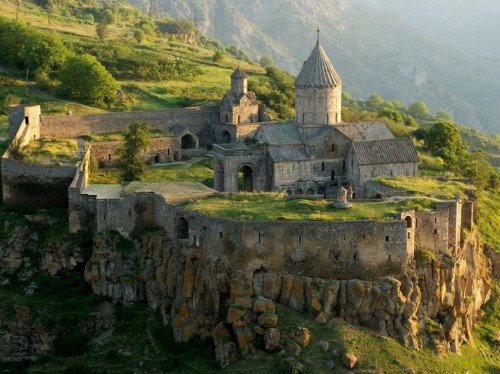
pixel 318 151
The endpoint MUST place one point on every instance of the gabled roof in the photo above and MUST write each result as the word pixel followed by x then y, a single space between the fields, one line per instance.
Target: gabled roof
pixel 238 74
pixel 288 154
pixel 318 71
pixel 235 100
pixel 359 131
pixel 278 134
pixel 387 151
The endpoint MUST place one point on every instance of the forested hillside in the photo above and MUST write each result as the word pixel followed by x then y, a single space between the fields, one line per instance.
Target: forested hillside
pixel 366 45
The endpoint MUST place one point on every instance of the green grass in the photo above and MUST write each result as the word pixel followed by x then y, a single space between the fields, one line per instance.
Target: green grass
pixel 489 218
pixel 119 136
pixel 50 150
pixel 199 171
pixel 427 186
pixel 272 206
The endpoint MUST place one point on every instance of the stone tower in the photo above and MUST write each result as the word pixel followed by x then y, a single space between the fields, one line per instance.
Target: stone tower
pixel 318 93
pixel 239 83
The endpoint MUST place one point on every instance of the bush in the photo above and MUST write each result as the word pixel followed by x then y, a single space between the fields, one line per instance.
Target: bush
pixel 424 255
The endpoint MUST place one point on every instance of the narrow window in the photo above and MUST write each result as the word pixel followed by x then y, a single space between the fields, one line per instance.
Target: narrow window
pixel 364 236
pixel 194 239
pixel 27 120
pixel 391 173
pixel 300 239
pixel 409 235
pixel 168 151
pixel 227 117
pixel 343 165
pixel 435 220
pixel 239 119
pixel 389 257
pixel 336 257
pixel 130 212
pixel 104 217
pixel 336 117
pixel 327 118
pixel 322 166
pixel 303 118
pixel 355 255
pixel 259 237
pixel 109 156
pixel 333 147
pixel 435 232
pixel 333 175
pixel 387 238
pixel 220 234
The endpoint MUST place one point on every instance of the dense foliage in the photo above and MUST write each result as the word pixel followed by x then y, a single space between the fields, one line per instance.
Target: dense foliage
pixel 137 140
pixel 84 78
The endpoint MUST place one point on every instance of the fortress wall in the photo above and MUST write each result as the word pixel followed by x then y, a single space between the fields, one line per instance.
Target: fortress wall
pixel 340 250
pixel 468 215
pixel 431 231
pixel 35 186
pixel 73 126
pixel 167 148
pixel 24 123
pixel 77 204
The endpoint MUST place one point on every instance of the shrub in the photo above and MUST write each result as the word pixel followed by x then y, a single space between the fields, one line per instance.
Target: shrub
pixel 424 255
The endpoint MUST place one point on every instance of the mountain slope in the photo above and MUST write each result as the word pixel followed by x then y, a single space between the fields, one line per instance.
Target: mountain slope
pixel 373 51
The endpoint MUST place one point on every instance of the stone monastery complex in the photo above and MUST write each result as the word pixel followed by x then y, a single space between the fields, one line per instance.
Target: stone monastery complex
pixel 318 154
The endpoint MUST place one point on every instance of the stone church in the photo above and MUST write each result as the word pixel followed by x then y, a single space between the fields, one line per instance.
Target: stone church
pixel 316 152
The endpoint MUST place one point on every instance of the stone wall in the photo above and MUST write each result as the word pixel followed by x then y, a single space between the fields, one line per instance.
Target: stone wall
pixel 431 231
pixel 24 122
pixel 35 186
pixel 165 149
pixel 192 119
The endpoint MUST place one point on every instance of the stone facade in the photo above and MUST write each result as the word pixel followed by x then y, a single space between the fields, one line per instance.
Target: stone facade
pixel 308 155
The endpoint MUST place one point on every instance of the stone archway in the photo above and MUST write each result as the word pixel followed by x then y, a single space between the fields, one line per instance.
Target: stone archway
pixel 409 222
pixel 225 137
pixel 310 191
pixel 246 174
pixel 183 229
pixel 298 191
pixel 189 141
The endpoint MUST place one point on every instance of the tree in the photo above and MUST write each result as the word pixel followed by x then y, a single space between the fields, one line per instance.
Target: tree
pixel 441 115
pixel 266 61
pixel 418 110
pixel 44 53
pixel 137 140
pixel 218 56
pixel 102 30
pixel 391 114
pixel 84 78
pixel 443 139
pixel 139 35
pixel 374 101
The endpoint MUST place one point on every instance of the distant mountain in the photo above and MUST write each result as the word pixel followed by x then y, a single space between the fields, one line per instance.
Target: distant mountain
pixel 373 50
pixel 473 26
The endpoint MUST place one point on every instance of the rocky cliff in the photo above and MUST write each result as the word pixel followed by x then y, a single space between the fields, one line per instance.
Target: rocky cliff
pixel 434 302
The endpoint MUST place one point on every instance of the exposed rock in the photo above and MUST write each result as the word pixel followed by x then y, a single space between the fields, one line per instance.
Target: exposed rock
pixel 303 337
pixel 323 345
pixel 235 312
pixel 293 349
pixel 263 305
pixel 272 339
pixel 349 360
pixel 268 320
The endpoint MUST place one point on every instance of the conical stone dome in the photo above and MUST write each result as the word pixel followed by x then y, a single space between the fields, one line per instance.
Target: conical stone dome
pixel 318 71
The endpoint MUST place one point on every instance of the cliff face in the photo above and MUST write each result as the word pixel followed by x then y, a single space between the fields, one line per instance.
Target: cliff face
pixel 436 302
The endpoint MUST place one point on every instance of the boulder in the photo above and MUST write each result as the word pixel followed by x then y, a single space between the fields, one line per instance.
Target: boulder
pixel 272 339
pixel 268 320
pixel 303 337
pixel 349 360
pixel 263 305
pixel 235 312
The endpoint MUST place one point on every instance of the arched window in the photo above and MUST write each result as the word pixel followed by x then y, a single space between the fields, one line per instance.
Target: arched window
pixel 310 191
pixel 226 137
pixel 183 229
pixel 298 191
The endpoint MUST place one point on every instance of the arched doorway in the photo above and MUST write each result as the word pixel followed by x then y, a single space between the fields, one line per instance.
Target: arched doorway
pixel 183 229
pixel 409 222
pixel 188 141
pixel 245 179
pixel 157 158
pixel 310 191
pixel 226 137
pixel 298 191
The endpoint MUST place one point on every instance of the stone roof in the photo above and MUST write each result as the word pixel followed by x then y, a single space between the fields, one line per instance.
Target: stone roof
pixel 236 100
pixel 278 134
pixel 238 74
pixel 103 191
pixel 318 71
pixel 359 131
pixel 288 154
pixel 387 151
